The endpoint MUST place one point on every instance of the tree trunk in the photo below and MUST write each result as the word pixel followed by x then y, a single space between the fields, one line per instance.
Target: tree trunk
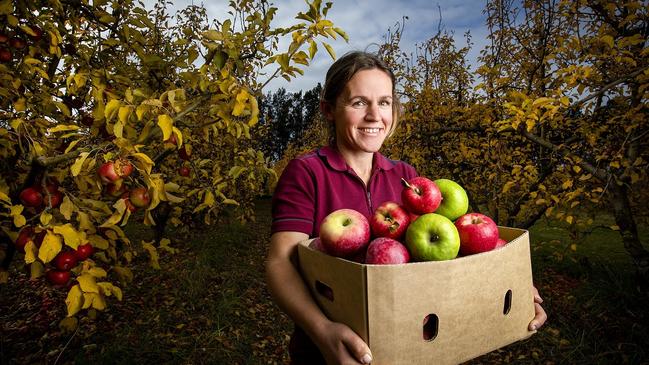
pixel 619 200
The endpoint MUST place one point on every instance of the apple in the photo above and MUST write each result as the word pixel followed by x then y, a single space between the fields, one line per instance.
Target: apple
pixel 17 43
pixel 171 141
pixel 386 251
pixel 25 235
pixel 184 153
pixel 88 120
pixel 58 277
pixel 4 38
pixel 55 199
pixel 31 197
pixel 420 195
pixel 107 172
pixel 500 243
pixel 389 220
pixel 38 33
pixel 432 237
pixel 316 244
pixel 455 202
pixel 478 233
pixel 5 55
pixel 123 167
pixel 65 260
pixel 140 197
pixel 344 232
pixel 184 171
pixel 84 251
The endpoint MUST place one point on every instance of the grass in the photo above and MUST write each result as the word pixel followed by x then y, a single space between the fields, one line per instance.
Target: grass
pixel 209 305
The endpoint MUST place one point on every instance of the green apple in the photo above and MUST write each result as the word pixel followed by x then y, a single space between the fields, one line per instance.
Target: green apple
pixel 432 237
pixel 455 202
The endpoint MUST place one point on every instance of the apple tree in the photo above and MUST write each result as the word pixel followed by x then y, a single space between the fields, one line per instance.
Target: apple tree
pixel 111 112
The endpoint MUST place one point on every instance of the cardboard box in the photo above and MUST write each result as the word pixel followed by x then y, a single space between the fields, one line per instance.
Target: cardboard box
pixel 471 305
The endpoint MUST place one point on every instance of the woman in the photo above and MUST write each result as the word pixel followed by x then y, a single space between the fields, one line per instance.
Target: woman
pixel 360 103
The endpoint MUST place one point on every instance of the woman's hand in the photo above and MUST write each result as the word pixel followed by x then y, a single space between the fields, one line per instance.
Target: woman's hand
pixel 340 345
pixel 539 314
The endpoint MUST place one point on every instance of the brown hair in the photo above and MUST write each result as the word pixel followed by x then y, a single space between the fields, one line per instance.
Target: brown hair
pixel 343 69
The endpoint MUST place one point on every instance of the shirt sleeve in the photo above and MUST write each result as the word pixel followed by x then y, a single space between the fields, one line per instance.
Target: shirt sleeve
pixel 294 199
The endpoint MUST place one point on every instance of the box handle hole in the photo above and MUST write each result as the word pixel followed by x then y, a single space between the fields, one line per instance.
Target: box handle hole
pixel 508 302
pixel 431 325
pixel 324 290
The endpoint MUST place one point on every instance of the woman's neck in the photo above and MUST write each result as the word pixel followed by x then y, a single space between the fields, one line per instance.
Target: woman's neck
pixel 360 161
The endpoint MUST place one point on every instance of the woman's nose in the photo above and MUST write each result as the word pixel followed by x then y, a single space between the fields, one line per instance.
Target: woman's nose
pixel 373 113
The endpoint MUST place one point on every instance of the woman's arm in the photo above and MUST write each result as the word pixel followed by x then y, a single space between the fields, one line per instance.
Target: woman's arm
pixel 337 342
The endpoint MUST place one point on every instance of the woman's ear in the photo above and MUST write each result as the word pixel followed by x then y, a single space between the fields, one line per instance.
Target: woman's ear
pixel 327 110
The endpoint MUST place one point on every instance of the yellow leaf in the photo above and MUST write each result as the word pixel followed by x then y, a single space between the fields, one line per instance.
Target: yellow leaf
pixel 69 324
pixel 111 108
pixel 153 254
pixel 615 227
pixel 45 218
pixel 109 289
pixel 61 127
pixel 6 7
pixel 576 169
pixel 330 50
pixel 98 301
pixel 88 283
pixel 36 270
pixel 98 242
pixel 573 247
pixel 4 276
pixel 4 197
pixel 74 300
pixel 615 164
pixel 19 105
pixel 608 40
pixel 166 124
pixel 118 128
pixel 70 235
pixel 50 248
pixel 508 186
pixel 147 162
pixel 124 274
pixel 566 184
pixel 16 212
pixel 71 145
pixel 66 208
pixel 97 272
pixel 124 113
pixel 78 164
pixel 31 251
pixel 569 219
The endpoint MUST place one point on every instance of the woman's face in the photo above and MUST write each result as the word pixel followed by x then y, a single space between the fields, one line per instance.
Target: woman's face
pixel 363 112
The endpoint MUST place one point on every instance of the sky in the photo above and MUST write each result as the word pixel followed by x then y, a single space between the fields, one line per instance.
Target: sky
pixel 366 22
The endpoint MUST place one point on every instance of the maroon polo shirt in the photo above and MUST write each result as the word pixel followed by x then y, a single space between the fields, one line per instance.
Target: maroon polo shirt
pixel 316 184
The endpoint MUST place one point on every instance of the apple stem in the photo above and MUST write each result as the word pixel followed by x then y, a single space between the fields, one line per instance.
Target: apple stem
pixel 407 185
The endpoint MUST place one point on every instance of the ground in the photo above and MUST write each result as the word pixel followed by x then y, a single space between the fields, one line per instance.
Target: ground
pixel 209 304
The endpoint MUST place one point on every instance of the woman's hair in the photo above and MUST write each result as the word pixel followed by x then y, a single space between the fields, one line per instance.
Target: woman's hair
pixel 343 69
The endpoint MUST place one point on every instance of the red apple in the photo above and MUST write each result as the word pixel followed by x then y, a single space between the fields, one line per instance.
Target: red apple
pixel 344 232
pixel 500 243
pixel 184 171
pixel 84 251
pixel 5 55
pixel 140 197
pixel 31 197
pixel 420 195
pixel 184 153
pixel 123 167
pixel 386 251
pixel 316 244
pixel 478 233
pixel 17 43
pixel 389 220
pixel 25 235
pixel 4 38
pixel 107 172
pixel 171 141
pixel 58 277
pixel 65 260
pixel 55 198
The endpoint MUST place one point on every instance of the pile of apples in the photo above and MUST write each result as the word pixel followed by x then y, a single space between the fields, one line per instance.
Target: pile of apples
pixel 432 224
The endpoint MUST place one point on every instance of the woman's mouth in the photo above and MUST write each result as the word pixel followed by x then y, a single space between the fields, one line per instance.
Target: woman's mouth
pixel 370 130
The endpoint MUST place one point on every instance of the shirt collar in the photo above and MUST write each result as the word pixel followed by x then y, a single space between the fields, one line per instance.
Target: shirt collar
pixel 337 162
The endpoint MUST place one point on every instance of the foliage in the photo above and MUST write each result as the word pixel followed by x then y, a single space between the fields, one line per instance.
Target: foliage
pixel 112 82
pixel 558 120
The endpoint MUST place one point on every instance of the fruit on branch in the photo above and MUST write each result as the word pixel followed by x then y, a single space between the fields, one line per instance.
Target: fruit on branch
pixel 65 260
pixel 140 197
pixel 112 171
pixel 127 201
pixel 116 189
pixel 31 197
pixel 17 43
pixel 183 171
pixel 184 153
pixel 58 277
pixel 5 55
pixel 84 251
